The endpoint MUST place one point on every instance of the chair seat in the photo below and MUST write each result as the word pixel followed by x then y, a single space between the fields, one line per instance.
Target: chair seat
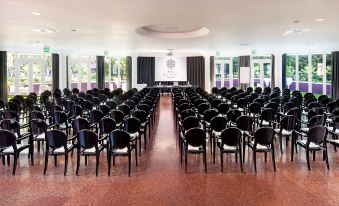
pixel 215 133
pixel 305 129
pixel 40 136
pixel 229 148
pixel 334 142
pixel 121 151
pixel 330 129
pixel 284 132
pixel 92 150
pixel 61 150
pixel 265 123
pixel 259 146
pixel 329 120
pixel 312 145
pixel 63 126
pixel 10 150
pixel 191 148
pixel 134 135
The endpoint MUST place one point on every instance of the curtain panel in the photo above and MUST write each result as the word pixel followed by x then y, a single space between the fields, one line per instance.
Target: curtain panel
pixel 146 70
pixel 129 72
pixel 335 75
pixel 100 72
pixel 55 71
pixel 3 76
pixel 283 71
pixel 196 71
pixel 212 72
pixel 272 71
pixel 244 61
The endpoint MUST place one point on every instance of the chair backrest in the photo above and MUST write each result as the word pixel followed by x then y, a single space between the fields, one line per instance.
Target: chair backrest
pixel 218 123
pixel 264 136
pixel 104 109
pixel 76 110
pixel 124 108
pixel 231 136
pixel 267 114
pixel 59 117
pixel 190 122
pixel 118 116
pixel 10 125
pixel 223 108
pixel 195 137
pixel 112 104
pixel 255 108
pixel 36 115
pixel 202 108
pixel 288 122
pixel 80 124
pixel 209 114
pixel 56 139
pixel 273 105
pixel 132 125
pixel 11 115
pixel 141 115
pixel 245 123
pixel 187 113
pixel 317 120
pixel 145 107
pixel 242 103
pixel 130 103
pixel 95 116
pixel 38 126
pixel 119 139
pixel 317 135
pixel 7 139
pixel 215 103
pixel 107 125
pixel 87 139
pixel 233 114
pixel 183 107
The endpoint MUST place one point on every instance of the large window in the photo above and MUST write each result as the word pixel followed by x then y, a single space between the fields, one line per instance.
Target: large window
pixel 309 73
pixel 226 72
pixel 82 72
pixel 261 71
pixel 28 73
pixel 115 73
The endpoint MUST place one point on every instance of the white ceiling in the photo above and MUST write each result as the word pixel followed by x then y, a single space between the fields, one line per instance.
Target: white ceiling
pixel 111 24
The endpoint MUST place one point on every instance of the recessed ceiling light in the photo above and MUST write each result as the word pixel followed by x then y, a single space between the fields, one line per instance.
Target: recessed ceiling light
pixel 319 20
pixel 244 44
pixel 73 30
pixel 295 30
pixel 57 30
pixel 35 13
pixel 296 21
pixel 44 30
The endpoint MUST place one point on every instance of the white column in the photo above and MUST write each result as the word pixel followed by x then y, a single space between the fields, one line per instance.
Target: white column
pixel 309 71
pixel 207 74
pixel 62 71
pixel 134 72
pixel 278 70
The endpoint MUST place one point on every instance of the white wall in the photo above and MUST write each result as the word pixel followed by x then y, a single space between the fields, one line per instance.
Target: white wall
pixel 278 69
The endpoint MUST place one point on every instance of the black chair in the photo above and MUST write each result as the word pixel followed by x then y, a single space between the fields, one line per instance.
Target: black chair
pixel 245 124
pixel 60 121
pixel 195 143
pixel 119 145
pixel 218 124
pixel 88 145
pixel 232 116
pixel 104 109
pixel 263 142
pixel 230 142
pixel 266 117
pixel 57 144
pixel 94 117
pixel 223 108
pixel 132 127
pixel 9 146
pixel 111 104
pixel 125 109
pixel 118 117
pixel 316 141
pixel 106 126
pixel 334 131
pixel 287 127
pixel 144 124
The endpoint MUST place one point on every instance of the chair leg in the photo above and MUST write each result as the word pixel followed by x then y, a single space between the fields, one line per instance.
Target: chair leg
pixel 66 163
pixel 129 164
pixel 145 139
pixel 222 160
pixel 185 162
pixel 255 160
pixel 3 160
pixel 113 161
pixel 15 162
pixel 136 157
pixel 109 158
pixel 240 159
pixel 97 164
pixel 8 160
pixel 205 162
pixel 326 155
pixel 273 158
pixel 86 161
pixel 280 139
pixel 313 155
pixel 243 147
pixel 55 160
pixel 31 152
pixel 265 157
pixel 46 162
pixel 139 138
pixel 213 148
pixel 308 159
pixel 292 147
pixel 78 162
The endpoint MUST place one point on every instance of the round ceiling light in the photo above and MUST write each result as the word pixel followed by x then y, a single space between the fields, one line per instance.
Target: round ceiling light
pixel 172 31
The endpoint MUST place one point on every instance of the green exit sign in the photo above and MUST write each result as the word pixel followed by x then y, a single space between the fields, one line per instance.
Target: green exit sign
pixel 46 49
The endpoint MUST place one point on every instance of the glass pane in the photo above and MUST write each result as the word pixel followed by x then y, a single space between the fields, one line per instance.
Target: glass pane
pixel 235 72
pixel 317 73
pixel 303 73
pixel 123 73
pixel 226 75
pixel 11 73
pixel 36 77
pixel 23 85
pixel 291 72
pixel 328 73
pixel 48 73
pixel 218 75
pixel 257 75
pixel 267 74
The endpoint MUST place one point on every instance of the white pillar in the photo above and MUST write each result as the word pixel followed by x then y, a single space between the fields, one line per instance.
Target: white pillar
pixel 278 70
pixel 207 74
pixel 134 72
pixel 62 71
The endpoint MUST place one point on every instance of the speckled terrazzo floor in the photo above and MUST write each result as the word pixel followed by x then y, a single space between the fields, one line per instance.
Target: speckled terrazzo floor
pixel 160 178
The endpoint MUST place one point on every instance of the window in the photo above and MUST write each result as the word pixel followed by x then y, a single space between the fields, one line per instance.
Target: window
pixel 261 71
pixel 115 73
pixel 82 72
pixel 235 71
pixel 29 73
pixel 309 73
pixel 226 72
